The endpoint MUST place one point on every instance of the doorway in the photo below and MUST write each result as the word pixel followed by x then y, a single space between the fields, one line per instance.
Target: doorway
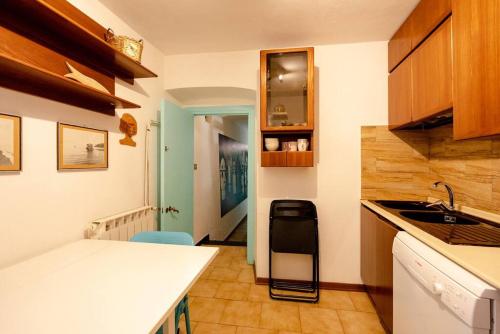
pixel 220 179
pixel 177 166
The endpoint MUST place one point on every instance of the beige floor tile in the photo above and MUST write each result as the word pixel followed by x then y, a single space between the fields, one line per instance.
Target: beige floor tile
pixel 246 275
pixel 206 273
pixel 280 316
pixel 204 288
pixel 224 274
pixel 360 322
pixel 214 329
pixel 320 320
pixel 337 300
pixel 362 302
pixel 242 313
pixel 222 261
pixel 239 263
pixel 206 309
pixel 233 290
pixel 248 330
pixel 236 251
pixel 259 293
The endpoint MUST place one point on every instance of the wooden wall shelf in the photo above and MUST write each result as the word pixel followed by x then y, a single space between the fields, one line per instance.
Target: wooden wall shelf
pixel 287 159
pixel 57 23
pixel 27 78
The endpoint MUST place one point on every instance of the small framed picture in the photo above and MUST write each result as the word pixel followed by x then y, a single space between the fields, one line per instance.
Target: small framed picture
pixel 10 143
pixel 81 148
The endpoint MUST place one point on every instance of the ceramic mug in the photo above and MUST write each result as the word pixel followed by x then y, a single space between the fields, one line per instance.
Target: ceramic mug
pixel 303 144
pixel 272 144
pixel 284 146
pixel 292 146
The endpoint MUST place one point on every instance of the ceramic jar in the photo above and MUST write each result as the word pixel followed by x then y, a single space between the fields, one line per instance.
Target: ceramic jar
pixel 292 146
pixel 303 144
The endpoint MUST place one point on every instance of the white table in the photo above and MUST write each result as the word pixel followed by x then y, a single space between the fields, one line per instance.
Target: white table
pixel 96 286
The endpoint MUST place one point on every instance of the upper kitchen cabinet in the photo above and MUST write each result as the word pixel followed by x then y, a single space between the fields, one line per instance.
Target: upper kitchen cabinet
pixel 422 21
pixel 287 90
pixel 400 45
pixel 400 95
pixel 476 38
pixel 426 17
pixel 432 74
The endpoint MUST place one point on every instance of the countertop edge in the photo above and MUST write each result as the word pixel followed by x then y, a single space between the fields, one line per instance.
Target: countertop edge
pixel 475 259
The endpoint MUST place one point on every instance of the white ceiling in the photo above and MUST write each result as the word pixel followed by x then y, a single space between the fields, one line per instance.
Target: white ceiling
pixel 196 26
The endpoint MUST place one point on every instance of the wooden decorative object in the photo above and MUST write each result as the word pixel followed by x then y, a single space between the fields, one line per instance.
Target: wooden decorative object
pixel 10 143
pixel 83 79
pixel 81 148
pixel 128 126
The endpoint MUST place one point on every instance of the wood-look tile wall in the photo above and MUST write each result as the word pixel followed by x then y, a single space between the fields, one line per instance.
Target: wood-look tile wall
pixel 404 164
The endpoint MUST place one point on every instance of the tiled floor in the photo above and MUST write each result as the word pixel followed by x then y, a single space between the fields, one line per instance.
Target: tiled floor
pixel 227 300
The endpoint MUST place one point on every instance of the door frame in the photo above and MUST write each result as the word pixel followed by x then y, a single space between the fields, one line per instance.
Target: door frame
pixel 249 111
pixel 234 110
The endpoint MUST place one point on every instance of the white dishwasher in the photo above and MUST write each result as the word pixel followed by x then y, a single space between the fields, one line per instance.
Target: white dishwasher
pixel 433 295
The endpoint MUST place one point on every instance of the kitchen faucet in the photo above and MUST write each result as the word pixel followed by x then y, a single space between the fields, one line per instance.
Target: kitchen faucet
pixel 448 207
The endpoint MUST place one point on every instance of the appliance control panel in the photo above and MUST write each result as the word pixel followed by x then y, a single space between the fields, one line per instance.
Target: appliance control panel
pixel 474 311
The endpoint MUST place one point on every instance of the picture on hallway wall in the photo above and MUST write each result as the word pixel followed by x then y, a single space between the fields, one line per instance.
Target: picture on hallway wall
pixel 233 162
pixel 10 143
pixel 81 148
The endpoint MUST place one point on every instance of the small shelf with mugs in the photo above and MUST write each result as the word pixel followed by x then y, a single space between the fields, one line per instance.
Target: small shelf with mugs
pixel 283 149
pixel 287 107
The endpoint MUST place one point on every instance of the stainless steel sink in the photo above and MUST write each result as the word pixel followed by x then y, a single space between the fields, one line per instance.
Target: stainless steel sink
pixel 440 217
pixel 406 205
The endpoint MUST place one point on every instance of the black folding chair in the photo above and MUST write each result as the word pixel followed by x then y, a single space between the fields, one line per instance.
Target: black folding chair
pixel 293 229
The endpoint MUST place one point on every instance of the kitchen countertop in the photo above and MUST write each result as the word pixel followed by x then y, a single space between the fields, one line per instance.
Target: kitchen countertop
pixel 484 262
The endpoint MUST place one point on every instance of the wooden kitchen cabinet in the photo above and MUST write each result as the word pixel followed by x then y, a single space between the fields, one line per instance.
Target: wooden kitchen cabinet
pixel 287 106
pixel 426 17
pixel 377 237
pixel 432 74
pixel 421 86
pixel 400 95
pixel 476 38
pixel 400 45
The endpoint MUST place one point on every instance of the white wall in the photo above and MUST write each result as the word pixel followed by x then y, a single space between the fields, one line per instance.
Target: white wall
pixel 207 208
pixel 42 208
pixel 351 88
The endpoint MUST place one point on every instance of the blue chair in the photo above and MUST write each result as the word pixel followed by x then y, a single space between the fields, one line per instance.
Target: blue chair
pixel 172 238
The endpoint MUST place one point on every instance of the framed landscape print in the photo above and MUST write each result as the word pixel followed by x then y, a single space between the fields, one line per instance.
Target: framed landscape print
pixel 81 148
pixel 10 143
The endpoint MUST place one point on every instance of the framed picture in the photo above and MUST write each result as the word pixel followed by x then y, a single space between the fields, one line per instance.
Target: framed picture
pixel 81 148
pixel 233 166
pixel 10 143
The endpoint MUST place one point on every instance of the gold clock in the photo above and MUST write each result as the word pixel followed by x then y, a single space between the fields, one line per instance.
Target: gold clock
pixel 129 46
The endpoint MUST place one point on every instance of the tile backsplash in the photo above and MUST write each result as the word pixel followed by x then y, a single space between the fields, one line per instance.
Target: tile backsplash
pixel 404 164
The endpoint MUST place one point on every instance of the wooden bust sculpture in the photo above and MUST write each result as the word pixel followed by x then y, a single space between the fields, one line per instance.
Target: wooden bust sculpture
pixel 128 126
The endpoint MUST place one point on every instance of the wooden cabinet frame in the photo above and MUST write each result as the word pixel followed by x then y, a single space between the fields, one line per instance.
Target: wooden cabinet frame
pixel 282 158
pixel 310 90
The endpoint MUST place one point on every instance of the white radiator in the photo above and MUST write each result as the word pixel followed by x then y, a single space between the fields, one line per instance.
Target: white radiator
pixel 123 226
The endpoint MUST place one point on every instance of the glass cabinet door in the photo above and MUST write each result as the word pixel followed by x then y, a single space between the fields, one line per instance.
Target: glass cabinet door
pixel 287 94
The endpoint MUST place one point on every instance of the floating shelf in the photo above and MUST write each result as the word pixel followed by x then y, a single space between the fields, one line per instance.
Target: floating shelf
pixel 30 79
pixel 48 22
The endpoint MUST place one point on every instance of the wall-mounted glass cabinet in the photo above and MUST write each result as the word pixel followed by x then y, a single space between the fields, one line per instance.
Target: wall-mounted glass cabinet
pixel 287 107
pixel 287 93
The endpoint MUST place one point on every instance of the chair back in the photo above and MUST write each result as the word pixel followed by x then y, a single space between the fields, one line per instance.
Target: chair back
pixel 158 237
